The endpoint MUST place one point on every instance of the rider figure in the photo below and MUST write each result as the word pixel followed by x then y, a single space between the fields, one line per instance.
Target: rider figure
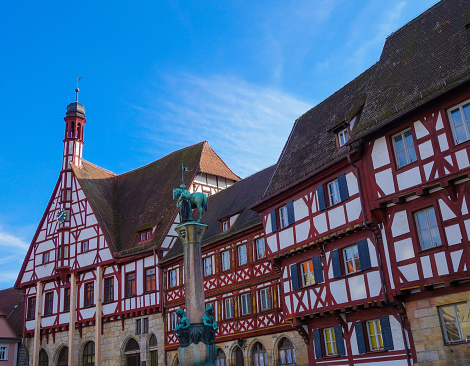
pixel 186 214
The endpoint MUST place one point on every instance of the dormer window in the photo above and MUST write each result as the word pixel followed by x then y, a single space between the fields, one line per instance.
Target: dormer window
pixel 145 235
pixel 225 225
pixel 343 137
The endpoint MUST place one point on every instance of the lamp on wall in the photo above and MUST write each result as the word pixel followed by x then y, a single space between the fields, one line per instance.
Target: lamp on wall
pixel 241 342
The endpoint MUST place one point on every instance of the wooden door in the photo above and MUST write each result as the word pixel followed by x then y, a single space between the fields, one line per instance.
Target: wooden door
pixel 133 360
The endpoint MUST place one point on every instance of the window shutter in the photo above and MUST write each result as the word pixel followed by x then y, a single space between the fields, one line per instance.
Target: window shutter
pixel 317 343
pixel 336 262
pixel 386 333
pixel 361 343
pixel 364 256
pixel 273 221
pixel 321 198
pixel 294 274
pixel 317 269
pixel 339 340
pixel 343 187
pixel 290 212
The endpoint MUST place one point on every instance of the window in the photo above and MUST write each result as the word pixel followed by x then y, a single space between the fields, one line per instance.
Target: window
pixel 225 260
pixel 228 306
pixel 67 299
pixel 455 321
pixel 64 252
pixel 130 284
pixel 85 246
pixel 342 137
pixel 67 215
pixel 45 257
pixel 260 248
pixel 308 277
pixel 173 320
pixel 404 148
pixel 89 354
pixel 459 118
pixel 153 350
pixel 283 218
pixel 43 359
pixel 330 341
pixel 138 326
pixel 242 257
pixel 287 353
pixel 49 303
pixel 225 225
pixel 265 299
pixel 351 259
pixel 221 360
pixel 3 352
pixel 207 266
pixel 148 235
pixel 31 308
pixel 259 355
pixel 109 289
pixel 374 333
pixel 89 294
pixel 150 284
pixel 245 304
pixel 428 232
pixel 145 323
pixel 333 192
pixel 173 278
pixel 142 237
pixel 68 195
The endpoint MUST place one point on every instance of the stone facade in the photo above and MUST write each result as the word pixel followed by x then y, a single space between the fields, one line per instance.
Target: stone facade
pixel 270 343
pixel 428 337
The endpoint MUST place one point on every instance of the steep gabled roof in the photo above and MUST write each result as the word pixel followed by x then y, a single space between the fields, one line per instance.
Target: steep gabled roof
pixel 233 200
pixel 211 163
pixel 9 298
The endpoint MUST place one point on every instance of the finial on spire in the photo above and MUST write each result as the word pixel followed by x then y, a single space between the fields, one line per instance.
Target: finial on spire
pixel 77 90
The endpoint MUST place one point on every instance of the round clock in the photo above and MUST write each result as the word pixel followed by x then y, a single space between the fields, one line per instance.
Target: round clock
pixel 61 216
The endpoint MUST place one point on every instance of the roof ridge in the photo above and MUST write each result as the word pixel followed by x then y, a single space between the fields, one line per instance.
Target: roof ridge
pixel 96 166
pixel 205 142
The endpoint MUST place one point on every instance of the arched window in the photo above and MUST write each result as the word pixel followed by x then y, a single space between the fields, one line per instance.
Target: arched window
pixel 63 357
pixel 221 359
pixel 132 346
pixel 43 359
pixel 132 352
pixel 259 355
pixel 153 350
pixel 72 130
pixel 237 355
pixel 287 353
pixel 89 354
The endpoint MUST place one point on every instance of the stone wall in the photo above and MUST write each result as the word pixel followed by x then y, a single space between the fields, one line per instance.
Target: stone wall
pixel 431 349
pixel 270 342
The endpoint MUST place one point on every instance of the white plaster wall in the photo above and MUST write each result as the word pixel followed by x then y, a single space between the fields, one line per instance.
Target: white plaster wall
pixel 380 153
pixel 384 180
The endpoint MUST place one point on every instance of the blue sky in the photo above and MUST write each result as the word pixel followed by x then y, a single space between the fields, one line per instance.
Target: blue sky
pixel 159 76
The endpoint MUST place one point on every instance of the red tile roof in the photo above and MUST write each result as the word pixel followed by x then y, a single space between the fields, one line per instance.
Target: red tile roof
pixel 9 298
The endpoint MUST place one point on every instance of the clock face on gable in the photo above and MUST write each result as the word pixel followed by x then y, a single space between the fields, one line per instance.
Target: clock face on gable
pixel 61 215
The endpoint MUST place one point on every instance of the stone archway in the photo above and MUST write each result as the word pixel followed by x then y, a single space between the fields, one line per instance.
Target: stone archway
pixel 132 352
pixel 63 358
pixel 237 356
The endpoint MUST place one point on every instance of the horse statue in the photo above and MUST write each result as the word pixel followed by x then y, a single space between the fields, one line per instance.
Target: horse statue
pixel 187 201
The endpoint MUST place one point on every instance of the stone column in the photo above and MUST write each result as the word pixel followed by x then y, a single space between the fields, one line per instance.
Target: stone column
pixel 37 324
pixel 72 315
pixel 98 318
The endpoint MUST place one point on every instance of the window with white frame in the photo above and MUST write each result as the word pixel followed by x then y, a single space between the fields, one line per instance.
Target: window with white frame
pixel 149 234
pixel 228 308
pixel 225 260
pixel 283 218
pixel 173 278
pixel 287 353
pixel 459 118
pixel 45 257
pixel 85 246
pixel 352 262
pixel 455 321
pixel 207 266
pixel 374 333
pixel 225 225
pixel 404 147
pixel 173 320
pixel 428 231
pixel 260 248
pixel 342 137
pixel 3 352
pixel 265 299
pixel 245 304
pixel 308 277
pixel 333 192
pixel 242 257
pixel 330 341
pixel 142 237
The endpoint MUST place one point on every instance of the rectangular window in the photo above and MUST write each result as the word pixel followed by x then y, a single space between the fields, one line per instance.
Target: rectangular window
pixel 265 299
pixel 49 303
pixel 67 214
pixel 138 326
pixel 455 321
pixel 67 299
pixel 330 341
pixel 173 278
pixel 67 195
pixel 145 323
pixel 130 284
pixel 89 294
pixel 150 284
pixel 3 352
pixel 225 225
pixel 333 192
pixel 459 118
pixel 225 260
pixel 283 218
pixel 428 230
pixel 31 307
pixel 173 320
pixel 404 148
pixel 228 307
pixel 45 257
pixel 242 257
pixel 207 266
pixel 85 246
pixel 308 277
pixel 260 248
pixel 109 289
pixel 374 332
pixel 351 259
pixel 64 252
pixel 142 237
pixel 148 235
pixel 342 137
pixel 245 304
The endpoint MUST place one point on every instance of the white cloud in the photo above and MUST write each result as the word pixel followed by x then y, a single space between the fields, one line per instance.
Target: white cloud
pixel 9 240
pixel 13 252
pixel 247 125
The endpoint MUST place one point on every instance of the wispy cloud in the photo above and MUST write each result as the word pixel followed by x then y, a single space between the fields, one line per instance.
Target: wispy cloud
pixel 13 252
pixel 247 125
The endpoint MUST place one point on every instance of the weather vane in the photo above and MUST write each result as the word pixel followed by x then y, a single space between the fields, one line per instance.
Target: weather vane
pixel 77 90
pixel 183 169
